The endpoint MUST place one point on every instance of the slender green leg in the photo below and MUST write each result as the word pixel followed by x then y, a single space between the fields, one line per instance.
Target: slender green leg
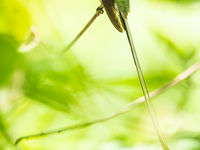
pixel 99 11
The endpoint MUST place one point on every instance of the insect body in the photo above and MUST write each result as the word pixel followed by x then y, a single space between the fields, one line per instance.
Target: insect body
pixel 112 13
pixel 113 7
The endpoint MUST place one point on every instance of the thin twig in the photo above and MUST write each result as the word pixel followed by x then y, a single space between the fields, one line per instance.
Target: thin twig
pixel 99 11
pixel 184 75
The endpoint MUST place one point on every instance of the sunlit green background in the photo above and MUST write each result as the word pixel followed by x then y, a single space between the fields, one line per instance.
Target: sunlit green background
pixel 41 90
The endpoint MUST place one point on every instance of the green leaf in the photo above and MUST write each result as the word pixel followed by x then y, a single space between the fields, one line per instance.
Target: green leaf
pixel 56 88
pixel 8 57
pixel 14 19
pixel 3 131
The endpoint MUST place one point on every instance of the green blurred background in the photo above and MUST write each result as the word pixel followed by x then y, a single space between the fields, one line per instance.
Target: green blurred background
pixel 41 90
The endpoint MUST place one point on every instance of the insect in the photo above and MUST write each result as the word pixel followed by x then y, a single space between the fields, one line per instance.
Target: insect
pixel 117 11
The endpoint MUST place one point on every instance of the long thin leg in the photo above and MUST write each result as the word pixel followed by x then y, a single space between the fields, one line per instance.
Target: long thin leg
pixel 99 11
pixel 143 83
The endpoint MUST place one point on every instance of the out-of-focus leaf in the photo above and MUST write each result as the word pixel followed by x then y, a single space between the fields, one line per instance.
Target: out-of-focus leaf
pixel 182 54
pixel 58 89
pixel 14 19
pixel 176 1
pixel 187 140
pixel 189 135
pixel 3 131
pixel 48 93
pixel 8 56
pixel 155 80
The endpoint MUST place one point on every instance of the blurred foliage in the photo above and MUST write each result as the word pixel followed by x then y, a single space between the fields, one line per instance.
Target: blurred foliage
pixel 177 1
pixel 55 87
pixel 42 90
pixel 8 56
pixel 14 20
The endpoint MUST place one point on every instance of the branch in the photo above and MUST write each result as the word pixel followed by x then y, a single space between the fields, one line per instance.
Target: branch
pixel 184 75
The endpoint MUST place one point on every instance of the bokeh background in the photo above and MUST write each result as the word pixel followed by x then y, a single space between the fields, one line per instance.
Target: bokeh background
pixel 41 90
